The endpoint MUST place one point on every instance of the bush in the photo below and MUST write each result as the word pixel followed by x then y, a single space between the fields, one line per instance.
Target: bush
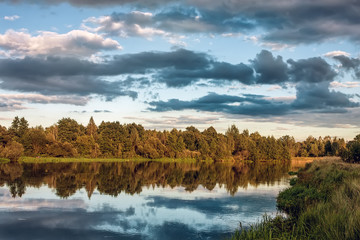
pixel 12 150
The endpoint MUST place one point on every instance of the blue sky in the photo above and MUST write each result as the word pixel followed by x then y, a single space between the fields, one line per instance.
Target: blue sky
pixel 277 67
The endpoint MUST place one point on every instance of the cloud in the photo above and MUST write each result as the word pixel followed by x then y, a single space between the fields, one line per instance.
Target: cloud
pixel 124 25
pixel 11 102
pixel 350 64
pixel 92 3
pixel 294 22
pixel 133 24
pixel 102 111
pixel 11 18
pixel 317 96
pixel 117 75
pixel 311 70
pixel 7 105
pixel 269 70
pixel 168 122
pixel 245 105
pixel 77 43
pixel 310 97
pixel 71 76
pixel 336 53
pixel 336 84
pixel 273 70
pixel 217 71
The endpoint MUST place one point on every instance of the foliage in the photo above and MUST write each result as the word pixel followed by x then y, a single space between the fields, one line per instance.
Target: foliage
pixel 68 138
pixel 12 150
pixel 352 151
pixel 324 203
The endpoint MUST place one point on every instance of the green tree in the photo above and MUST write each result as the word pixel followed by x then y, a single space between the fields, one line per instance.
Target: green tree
pixel 68 130
pixel 352 153
pixel 19 127
pixel 91 128
pixel 34 141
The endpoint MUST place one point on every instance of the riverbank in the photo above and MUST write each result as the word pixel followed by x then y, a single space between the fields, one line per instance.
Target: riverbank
pixel 323 203
pixel 42 159
pixel 88 160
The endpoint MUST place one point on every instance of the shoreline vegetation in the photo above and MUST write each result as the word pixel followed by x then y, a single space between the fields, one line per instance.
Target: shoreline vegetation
pixel 322 203
pixel 112 140
pixel 296 162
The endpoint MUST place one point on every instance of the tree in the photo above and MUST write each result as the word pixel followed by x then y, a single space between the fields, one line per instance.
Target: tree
pixel 13 151
pixel 19 126
pixel 68 130
pixel 352 153
pixel 91 128
pixel 34 141
pixel 4 136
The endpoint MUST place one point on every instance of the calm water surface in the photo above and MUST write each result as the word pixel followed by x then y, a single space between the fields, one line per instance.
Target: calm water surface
pixel 148 200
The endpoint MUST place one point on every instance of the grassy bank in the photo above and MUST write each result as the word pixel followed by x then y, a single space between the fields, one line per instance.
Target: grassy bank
pixel 324 203
pixel 71 160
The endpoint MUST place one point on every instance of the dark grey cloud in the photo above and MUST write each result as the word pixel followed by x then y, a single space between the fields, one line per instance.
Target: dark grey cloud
pixel 250 105
pixel 179 68
pixel 293 22
pixel 310 97
pixel 311 70
pixel 296 21
pixel 317 96
pixel 216 71
pixel 198 20
pixel 270 70
pixel 92 3
pixel 350 64
pixel 64 76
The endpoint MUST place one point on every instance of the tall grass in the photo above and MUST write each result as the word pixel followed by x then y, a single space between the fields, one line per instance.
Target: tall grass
pixel 324 203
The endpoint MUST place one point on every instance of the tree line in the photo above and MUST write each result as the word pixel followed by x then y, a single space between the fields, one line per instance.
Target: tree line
pixel 68 138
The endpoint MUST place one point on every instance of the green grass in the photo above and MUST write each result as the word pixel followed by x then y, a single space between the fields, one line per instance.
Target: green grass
pixel 82 159
pixel 323 203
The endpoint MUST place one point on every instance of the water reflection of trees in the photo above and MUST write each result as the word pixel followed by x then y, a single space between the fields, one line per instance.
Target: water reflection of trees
pixel 131 177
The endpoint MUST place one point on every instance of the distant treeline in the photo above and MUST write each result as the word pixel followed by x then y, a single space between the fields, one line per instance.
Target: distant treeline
pixel 68 138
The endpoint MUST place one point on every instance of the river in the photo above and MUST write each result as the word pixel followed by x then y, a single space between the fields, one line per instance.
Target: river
pixel 135 200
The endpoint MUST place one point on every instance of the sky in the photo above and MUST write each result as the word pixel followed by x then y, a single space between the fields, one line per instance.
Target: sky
pixel 278 67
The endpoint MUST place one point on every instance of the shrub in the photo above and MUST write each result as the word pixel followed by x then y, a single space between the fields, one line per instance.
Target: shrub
pixel 12 150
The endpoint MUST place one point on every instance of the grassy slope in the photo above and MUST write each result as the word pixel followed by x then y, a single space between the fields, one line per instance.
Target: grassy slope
pixel 324 203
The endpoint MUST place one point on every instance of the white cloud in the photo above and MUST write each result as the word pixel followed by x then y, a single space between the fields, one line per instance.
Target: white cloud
pixel 336 84
pixel 135 26
pixel 276 87
pixel 281 98
pixel 77 43
pixel 231 34
pixel 337 53
pixel 107 25
pixel 11 18
pixel 274 46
